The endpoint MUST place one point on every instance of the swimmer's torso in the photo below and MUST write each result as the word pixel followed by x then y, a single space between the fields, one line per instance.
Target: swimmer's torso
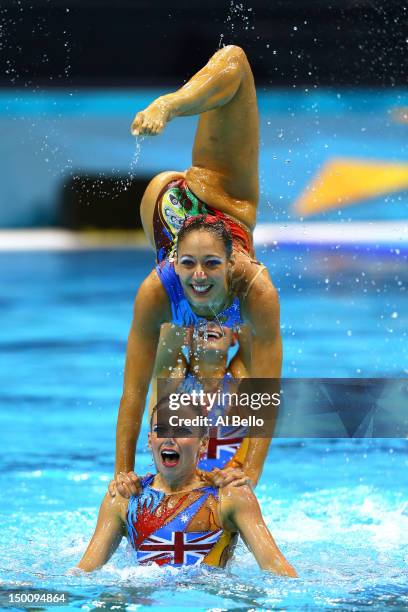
pixel 178 529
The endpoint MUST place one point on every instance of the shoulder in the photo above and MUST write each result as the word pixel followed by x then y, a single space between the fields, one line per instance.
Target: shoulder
pixel 258 296
pixel 153 286
pixel 261 286
pixel 151 298
pixel 249 276
pixel 238 496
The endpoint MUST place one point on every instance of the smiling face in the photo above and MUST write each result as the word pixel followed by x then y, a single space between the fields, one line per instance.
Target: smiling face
pixel 176 458
pixel 202 266
pixel 213 337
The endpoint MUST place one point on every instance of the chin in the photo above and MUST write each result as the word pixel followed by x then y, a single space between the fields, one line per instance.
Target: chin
pixel 199 300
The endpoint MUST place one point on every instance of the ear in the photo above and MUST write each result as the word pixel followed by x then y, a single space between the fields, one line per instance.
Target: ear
pixel 149 440
pixel 234 340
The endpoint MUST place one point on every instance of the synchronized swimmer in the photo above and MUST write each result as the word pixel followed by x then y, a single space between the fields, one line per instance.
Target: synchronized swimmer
pixel 177 521
pixel 200 223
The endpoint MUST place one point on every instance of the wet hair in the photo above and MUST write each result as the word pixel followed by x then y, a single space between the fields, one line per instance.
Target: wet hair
pixel 196 410
pixel 207 223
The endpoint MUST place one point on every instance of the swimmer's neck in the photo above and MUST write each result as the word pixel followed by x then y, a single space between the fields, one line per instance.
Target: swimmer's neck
pixel 210 311
pixel 184 483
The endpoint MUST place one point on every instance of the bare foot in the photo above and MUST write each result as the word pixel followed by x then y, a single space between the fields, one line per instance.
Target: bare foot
pixel 152 120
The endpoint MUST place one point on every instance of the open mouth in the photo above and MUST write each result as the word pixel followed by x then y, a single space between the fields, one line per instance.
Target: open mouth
pixel 200 289
pixel 211 334
pixel 170 458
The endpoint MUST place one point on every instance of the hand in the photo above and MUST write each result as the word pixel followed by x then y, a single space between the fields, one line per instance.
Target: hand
pixel 125 484
pixel 222 478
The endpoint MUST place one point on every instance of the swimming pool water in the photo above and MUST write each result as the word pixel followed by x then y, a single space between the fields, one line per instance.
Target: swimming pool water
pixel 337 508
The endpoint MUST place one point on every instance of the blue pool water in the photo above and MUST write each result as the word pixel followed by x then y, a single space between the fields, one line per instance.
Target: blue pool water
pixel 337 508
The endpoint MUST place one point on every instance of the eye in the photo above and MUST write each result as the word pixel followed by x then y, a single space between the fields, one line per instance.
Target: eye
pixel 213 263
pixel 184 432
pixel 187 261
pixel 161 431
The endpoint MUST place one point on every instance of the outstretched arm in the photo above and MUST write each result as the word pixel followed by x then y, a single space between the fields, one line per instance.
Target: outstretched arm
pixel 150 310
pixel 107 536
pixel 240 511
pixel 261 313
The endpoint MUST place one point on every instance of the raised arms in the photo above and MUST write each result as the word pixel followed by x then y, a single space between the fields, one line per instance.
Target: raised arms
pixel 151 308
pixel 261 313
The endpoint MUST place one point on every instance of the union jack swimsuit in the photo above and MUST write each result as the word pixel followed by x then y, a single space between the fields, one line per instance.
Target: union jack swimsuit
pixel 158 530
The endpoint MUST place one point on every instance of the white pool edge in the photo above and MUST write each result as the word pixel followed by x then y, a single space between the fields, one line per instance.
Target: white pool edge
pixel 381 233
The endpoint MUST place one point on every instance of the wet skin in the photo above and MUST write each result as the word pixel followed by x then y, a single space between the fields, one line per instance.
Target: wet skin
pixel 176 458
pixel 224 170
pixel 237 511
pixel 203 269
pixel 224 174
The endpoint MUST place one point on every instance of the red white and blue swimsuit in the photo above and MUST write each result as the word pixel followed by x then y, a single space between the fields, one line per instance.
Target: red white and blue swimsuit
pixel 158 528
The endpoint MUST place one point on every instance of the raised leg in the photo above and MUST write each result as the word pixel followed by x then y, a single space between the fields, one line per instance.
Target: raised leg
pixel 224 170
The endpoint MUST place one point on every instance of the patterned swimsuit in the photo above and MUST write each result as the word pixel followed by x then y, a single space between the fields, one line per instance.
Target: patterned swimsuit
pixel 159 527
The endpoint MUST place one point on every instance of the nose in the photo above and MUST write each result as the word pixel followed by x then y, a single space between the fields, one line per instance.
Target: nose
pixel 199 273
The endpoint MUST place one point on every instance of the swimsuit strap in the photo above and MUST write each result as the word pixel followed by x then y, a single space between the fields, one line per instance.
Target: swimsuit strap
pixel 182 313
pixel 146 480
pixel 253 279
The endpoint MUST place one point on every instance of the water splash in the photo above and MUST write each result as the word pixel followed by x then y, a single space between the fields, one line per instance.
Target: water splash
pixel 239 17
pixel 136 156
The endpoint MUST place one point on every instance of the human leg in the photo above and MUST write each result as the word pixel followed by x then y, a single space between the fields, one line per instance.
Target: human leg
pixel 224 172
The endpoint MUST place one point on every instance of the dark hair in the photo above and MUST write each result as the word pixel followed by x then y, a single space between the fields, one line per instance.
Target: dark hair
pixel 196 409
pixel 207 223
